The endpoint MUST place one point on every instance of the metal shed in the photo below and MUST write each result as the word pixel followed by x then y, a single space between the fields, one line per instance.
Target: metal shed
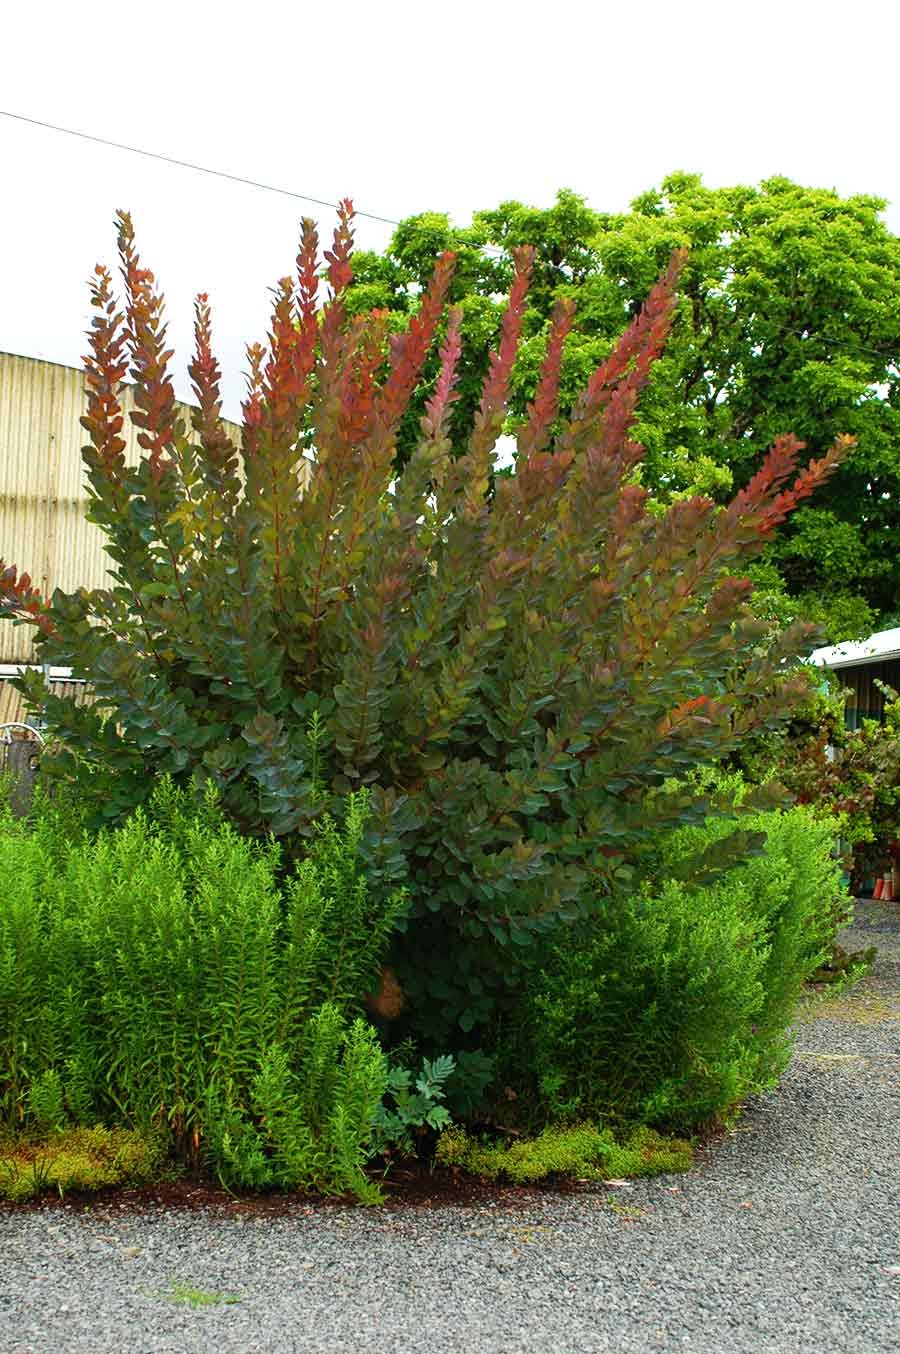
pixel 43 526
pixel 859 665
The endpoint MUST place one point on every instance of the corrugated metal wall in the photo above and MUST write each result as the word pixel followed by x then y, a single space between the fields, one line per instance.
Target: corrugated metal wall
pixel 43 529
pixel 12 705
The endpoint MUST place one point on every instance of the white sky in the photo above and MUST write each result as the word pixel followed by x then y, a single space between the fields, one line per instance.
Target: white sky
pixel 405 107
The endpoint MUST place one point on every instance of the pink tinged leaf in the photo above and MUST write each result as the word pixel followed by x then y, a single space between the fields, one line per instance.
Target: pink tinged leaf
pixel 626 371
pixel 545 406
pixel 105 368
pixel 252 406
pixel 437 409
pixel 307 296
pixel 340 271
pixel 409 350
pixel 340 274
pixel 154 393
pixel 495 388
pixel 206 376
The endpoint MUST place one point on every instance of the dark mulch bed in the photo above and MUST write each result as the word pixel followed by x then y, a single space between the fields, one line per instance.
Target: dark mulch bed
pixel 415 1187
pixel 410 1185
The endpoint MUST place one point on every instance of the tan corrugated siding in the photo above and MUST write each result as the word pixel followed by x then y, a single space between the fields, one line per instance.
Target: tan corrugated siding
pixel 12 703
pixel 43 529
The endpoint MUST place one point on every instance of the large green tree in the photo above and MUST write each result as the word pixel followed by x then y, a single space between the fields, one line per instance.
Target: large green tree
pixel 789 319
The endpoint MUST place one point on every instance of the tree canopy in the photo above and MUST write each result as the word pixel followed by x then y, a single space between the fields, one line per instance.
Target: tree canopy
pixel 789 320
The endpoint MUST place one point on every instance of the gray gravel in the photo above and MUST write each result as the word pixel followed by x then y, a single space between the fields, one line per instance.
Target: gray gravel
pixel 785 1236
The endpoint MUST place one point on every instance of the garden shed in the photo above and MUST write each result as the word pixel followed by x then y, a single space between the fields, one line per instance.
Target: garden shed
pixel 860 666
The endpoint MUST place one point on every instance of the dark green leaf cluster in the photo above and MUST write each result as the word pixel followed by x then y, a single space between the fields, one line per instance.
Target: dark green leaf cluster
pixel 414 1107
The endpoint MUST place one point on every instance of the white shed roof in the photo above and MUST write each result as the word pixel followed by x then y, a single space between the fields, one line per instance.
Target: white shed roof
pixel 875 649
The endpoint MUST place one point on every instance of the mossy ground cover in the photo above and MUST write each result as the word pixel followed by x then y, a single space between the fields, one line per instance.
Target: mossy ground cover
pixel 79 1159
pixel 582 1151
pixel 78 1164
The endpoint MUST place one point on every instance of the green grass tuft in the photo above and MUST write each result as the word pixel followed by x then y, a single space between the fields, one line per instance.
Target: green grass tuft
pixel 198 1297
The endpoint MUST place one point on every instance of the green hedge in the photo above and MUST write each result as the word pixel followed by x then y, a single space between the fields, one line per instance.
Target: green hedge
pixel 671 1007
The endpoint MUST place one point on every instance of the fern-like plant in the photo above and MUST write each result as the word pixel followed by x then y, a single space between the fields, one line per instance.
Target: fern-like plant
pixel 507 664
pixel 159 978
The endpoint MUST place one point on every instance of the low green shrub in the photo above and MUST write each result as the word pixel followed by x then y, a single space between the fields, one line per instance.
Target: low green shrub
pixel 79 1159
pixel 793 894
pixel 579 1150
pixel 670 1007
pixel 643 1015
pixel 159 975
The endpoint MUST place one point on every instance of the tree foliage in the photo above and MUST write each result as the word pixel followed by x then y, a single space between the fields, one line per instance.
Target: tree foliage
pixel 507 672
pixel 788 319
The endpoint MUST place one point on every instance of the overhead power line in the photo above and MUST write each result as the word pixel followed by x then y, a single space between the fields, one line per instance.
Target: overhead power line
pixel 187 164
pixel 203 169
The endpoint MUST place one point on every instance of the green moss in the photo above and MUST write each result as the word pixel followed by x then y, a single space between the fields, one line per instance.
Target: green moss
pixel 580 1150
pixel 647 1152
pixel 78 1159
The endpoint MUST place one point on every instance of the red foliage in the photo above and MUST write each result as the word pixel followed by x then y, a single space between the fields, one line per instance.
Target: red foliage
pixel 409 349
pixel 437 409
pixel 545 406
pixel 105 368
pixel 20 600
pixel 146 336
pixel 205 377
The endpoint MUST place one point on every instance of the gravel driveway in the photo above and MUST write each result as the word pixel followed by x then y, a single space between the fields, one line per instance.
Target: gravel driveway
pixel 785 1236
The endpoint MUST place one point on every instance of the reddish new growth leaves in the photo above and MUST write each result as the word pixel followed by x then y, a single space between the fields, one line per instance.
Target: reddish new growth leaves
pixel 409 349
pixel 252 407
pixel 205 377
pixel 541 413
pixel 146 332
pixel 20 600
pixel 340 274
pixel 618 381
pixel 437 409
pixel 475 466
pixel 496 385
pixel 105 368
pixel 756 499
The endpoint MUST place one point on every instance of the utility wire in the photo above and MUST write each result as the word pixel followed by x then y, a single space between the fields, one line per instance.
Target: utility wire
pixel 204 169
pixel 845 347
pixel 187 164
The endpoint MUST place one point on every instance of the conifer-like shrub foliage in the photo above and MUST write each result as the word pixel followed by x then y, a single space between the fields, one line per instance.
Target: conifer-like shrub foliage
pixel 157 978
pixel 644 1015
pixel 506 662
pixel 670 1007
pixel 793 892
